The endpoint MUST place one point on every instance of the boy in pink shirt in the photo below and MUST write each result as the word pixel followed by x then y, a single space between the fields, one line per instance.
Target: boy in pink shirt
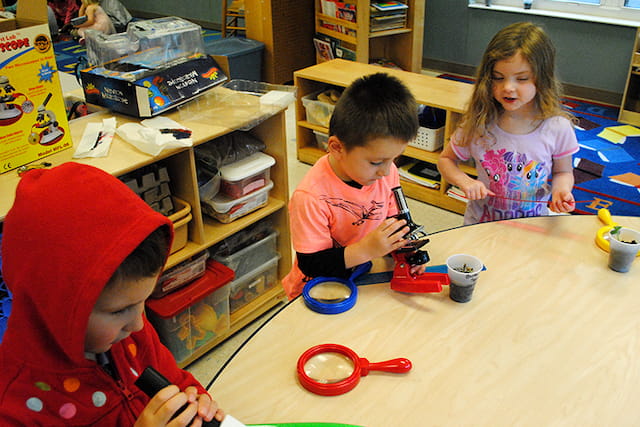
pixel 340 212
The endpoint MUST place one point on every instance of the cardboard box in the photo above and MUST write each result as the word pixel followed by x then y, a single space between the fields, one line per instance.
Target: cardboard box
pixel 139 85
pixel 33 121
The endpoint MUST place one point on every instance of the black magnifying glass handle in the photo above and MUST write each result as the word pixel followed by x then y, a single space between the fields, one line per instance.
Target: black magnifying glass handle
pixel 152 381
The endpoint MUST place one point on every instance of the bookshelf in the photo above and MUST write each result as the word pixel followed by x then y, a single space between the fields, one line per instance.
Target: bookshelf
pixel 447 95
pixel 371 36
pixel 630 107
pixel 203 231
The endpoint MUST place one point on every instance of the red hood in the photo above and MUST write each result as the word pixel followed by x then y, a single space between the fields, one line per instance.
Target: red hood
pixel 59 249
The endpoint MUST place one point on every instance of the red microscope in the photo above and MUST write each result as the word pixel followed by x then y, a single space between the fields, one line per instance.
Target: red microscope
pixel 411 255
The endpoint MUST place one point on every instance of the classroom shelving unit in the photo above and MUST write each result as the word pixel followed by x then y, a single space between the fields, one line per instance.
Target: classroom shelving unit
pixel 449 95
pixel 402 46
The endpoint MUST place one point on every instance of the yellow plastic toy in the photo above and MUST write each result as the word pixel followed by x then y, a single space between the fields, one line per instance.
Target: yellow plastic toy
pixel 202 324
pixel 605 216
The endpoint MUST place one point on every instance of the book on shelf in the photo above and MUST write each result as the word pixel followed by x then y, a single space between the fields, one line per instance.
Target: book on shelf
pixel 328 47
pixel 381 20
pixel 387 23
pixel 344 53
pixel 456 193
pixel 384 62
pixel 389 5
pixel 422 173
pixel 337 9
pixel 324 50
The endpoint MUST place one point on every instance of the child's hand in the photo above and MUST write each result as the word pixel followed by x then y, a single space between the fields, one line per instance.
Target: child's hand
pixel 164 405
pixel 417 270
pixel 476 190
pixel 562 201
pixel 207 408
pixel 379 242
pixel 386 238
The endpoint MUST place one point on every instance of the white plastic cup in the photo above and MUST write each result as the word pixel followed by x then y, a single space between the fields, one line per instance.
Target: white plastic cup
pixel 463 283
pixel 621 252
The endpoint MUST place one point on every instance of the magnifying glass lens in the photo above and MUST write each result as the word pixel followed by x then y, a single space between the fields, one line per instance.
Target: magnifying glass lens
pixel 330 292
pixel 329 367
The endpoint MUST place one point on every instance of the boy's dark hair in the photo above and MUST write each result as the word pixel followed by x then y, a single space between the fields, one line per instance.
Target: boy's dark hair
pixel 374 106
pixel 146 260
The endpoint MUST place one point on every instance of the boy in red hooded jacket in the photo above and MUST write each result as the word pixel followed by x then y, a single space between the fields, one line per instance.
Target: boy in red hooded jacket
pixel 81 253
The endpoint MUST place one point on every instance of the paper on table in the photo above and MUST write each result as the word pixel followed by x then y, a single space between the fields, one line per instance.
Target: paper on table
pixel 149 139
pixel 229 421
pixel 96 139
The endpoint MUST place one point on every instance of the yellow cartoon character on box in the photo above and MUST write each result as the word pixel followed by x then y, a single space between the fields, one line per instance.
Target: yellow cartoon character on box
pixel 10 109
pixel 45 131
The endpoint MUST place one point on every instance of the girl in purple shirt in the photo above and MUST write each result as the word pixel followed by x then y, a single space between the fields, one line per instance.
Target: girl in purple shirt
pixel 515 131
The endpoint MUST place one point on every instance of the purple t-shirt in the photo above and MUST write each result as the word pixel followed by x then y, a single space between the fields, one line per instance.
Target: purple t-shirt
pixel 516 168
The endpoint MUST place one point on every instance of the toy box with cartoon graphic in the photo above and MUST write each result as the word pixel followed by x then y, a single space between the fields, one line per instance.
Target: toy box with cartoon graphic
pixel 193 316
pixel 33 121
pixel 141 85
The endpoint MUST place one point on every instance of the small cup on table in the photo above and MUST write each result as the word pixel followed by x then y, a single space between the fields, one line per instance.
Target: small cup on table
pixel 463 271
pixel 624 245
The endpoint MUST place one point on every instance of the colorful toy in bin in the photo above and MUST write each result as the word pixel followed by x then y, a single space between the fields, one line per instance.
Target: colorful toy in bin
pixel 10 110
pixel 202 325
pixel 192 316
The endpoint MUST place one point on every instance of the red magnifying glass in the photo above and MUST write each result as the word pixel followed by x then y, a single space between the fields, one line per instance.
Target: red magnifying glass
pixel 333 369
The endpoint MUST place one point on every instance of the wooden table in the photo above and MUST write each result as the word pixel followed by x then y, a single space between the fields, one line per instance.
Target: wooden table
pixel 551 337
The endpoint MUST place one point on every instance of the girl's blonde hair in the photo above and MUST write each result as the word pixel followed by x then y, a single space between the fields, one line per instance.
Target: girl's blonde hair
pixel 536 47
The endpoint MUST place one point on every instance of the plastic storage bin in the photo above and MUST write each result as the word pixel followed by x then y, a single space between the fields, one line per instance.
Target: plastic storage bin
pixel 244 56
pixel 243 238
pixel 226 209
pixel 428 139
pixel 251 257
pixel 322 140
pixel 170 37
pixel 318 112
pixel 183 273
pixel 253 284
pixel 195 315
pixel 180 220
pixel 246 176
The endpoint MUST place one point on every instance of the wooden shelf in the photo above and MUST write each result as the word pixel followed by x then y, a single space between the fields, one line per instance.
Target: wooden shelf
pixel 402 46
pixel 286 28
pixel 203 232
pixel 630 106
pixel 448 95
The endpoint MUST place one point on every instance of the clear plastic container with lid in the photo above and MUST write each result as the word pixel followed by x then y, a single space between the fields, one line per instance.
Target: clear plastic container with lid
pixel 246 175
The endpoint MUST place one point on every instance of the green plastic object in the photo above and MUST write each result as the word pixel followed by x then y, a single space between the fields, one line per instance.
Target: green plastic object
pixel 305 425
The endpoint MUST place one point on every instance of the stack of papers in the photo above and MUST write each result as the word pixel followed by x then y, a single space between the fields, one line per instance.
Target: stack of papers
pixel 389 5
pixel 456 193
pixel 388 15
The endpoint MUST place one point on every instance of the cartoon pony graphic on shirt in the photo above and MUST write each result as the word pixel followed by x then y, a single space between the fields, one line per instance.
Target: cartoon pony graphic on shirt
pixel 360 212
pixel 527 179
pixel 496 169
pixel 534 180
pixel 515 163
